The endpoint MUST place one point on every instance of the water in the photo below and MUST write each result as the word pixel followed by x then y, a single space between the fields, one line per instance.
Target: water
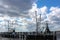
pixel 8 39
pixel 18 39
pixel 58 38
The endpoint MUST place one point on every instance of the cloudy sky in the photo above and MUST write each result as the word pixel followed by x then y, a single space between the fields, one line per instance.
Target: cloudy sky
pixel 21 13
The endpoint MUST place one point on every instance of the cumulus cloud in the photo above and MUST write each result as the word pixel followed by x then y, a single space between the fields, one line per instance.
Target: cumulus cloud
pixel 10 9
pixel 54 17
pixel 32 13
pixel 23 13
pixel 34 10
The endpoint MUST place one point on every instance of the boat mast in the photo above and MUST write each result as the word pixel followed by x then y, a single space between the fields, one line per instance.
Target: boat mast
pixel 8 25
pixel 40 21
pixel 47 28
pixel 36 22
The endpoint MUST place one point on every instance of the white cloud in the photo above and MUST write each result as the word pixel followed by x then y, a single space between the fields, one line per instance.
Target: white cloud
pixel 42 11
pixel 54 17
pixel 24 13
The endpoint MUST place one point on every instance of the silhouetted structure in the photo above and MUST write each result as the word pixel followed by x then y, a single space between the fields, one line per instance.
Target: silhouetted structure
pixel 47 35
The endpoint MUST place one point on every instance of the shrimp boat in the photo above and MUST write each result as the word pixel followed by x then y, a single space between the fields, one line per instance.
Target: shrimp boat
pixel 47 35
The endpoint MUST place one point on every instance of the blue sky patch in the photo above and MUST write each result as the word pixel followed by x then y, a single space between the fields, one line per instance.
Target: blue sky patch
pixel 48 3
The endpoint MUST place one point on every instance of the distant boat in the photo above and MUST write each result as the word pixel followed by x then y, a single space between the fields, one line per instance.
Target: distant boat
pixel 47 35
pixel 12 34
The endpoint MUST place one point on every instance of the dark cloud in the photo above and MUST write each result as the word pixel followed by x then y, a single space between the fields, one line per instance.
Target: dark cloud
pixel 55 18
pixel 19 7
pixel 21 4
pixel 12 14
